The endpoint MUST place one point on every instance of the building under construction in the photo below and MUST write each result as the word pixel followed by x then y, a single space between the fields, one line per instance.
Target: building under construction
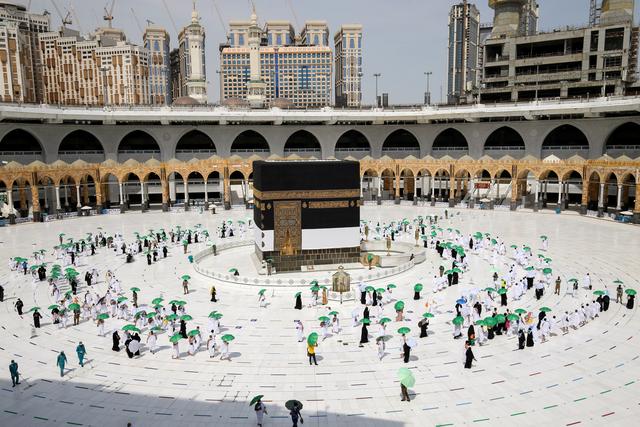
pixel 521 64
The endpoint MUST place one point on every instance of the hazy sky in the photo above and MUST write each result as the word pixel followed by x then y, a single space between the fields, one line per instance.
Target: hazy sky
pixel 402 38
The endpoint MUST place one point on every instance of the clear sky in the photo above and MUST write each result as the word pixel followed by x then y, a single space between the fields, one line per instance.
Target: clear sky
pixel 402 38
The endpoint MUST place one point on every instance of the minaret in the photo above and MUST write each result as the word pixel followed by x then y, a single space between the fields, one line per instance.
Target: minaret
pixel 256 87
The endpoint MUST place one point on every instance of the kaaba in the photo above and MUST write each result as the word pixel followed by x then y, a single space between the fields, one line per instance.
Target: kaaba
pixel 306 213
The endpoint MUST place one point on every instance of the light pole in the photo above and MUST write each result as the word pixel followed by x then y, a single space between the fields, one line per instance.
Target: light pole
pixel 377 75
pixel 427 94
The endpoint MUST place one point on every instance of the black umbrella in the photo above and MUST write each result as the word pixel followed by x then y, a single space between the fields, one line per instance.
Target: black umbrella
pixel 291 404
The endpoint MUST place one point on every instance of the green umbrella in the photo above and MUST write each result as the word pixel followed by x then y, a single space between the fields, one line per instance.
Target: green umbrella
pixel 457 270
pixel 527 248
pixel 34 308
pixel 228 338
pixel 381 290
pixel 573 279
pixel 156 301
pixel 172 317
pixel 297 294
pixel 52 307
pixel 157 329
pixel 130 328
pixel 134 289
pixel 547 271
pixel 399 306
pixel 233 270
pixel 514 246
pixel 480 322
pixel 217 316
pixel 500 318
pixel 365 321
pixel 630 291
pixel 598 292
pixel 174 301
pixel 193 333
pixel 186 318
pixel 262 291
pixel 151 315
pixel 315 288
pixel 520 311
pixel 256 399
pixel 122 299
pixel 494 241
pixel 406 377
pixel 313 282
pixel 404 330
pixel 458 320
pixel 175 338
pixel 370 289
pixel 324 319
pixel 545 309
pixel 74 306
pixel 186 277
pixel 489 289
pixel 530 268
pixel 418 287
pixel 502 291
pixel 103 316
pixel 544 237
pixel 181 303
pixel 427 315
pixel 34 267
pixel 490 322
pixel 618 282
pixel 333 313
pixel 312 339
pixel 548 260
pixel 391 286
pixel 513 317
pixel 385 320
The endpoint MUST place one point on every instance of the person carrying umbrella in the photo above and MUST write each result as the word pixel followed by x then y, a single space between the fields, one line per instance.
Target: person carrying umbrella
pixel 294 410
pixel 469 357
pixel 311 352
pixel 260 408
pixel 185 286
pixel 406 380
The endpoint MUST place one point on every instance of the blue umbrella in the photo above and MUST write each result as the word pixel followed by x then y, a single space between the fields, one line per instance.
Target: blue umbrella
pixel 461 301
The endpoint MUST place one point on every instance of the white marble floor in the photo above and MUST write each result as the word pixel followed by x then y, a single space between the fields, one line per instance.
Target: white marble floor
pixel 587 377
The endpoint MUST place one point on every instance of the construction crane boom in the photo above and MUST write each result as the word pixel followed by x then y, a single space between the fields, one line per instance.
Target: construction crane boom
pixel 175 27
pixel 594 12
pixel 135 17
pixel 219 14
pixel 293 11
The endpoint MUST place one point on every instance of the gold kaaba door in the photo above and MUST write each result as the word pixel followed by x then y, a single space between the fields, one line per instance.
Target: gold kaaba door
pixel 287 227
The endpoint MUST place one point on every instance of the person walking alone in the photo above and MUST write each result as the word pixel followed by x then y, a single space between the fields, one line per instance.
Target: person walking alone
pixel 62 360
pixel 15 375
pixel 311 352
pixel 81 352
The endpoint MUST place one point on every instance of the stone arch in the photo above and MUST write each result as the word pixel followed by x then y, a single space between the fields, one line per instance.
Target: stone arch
pixel 138 145
pixel 249 143
pixel 504 139
pixel 352 143
pixel 81 144
pixel 625 139
pixel 451 141
pixel 401 143
pixel 195 144
pixel 21 146
pixel 302 142
pixel 564 141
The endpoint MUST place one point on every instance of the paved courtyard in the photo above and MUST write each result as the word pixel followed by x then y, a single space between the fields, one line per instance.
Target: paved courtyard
pixel 586 377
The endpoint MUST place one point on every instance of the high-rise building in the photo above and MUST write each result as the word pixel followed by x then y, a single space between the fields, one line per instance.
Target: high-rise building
pixel 464 41
pixel 529 18
pixel 348 66
pixel 579 62
pixel 156 41
pixel 176 78
pixel 295 70
pixel 104 70
pixel 20 76
pixel 192 59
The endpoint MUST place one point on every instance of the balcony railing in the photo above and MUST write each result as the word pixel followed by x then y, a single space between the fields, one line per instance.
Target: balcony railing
pixel 450 148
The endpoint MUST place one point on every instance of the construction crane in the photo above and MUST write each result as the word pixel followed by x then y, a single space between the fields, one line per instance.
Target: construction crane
pixel 108 14
pixel 75 17
pixel 66 19
pixel 175 27
pixel 594 12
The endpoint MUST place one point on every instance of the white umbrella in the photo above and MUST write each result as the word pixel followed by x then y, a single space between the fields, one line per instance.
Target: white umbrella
pixel 485 200
pixel 86 208
pixel 134 346
pixel 412 342
pixel 626 213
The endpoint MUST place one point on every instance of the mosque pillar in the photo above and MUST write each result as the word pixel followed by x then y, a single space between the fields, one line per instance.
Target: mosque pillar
pixel 415 191
pixel 35 200
pixel 85 193
pixel 619 198
pixel 206 194
pixel 122 198
pixel 636 208
pixel 433 190
pixel 601 200
pixel 12 215
pixel 185 182
pixel 227 189
pixel 58 207
pixel 452 191
pixel 584 203
pixel 99 199
pixel 164 183
pixel 514 193
pixel 78 200
pixel 143 202
pixel 471 190
pixel 397 189
pixel 379 198
pixel 536 189
pixel 45 190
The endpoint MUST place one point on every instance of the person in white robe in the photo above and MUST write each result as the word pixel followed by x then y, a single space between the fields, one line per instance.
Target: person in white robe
pixel 225 351
pixel 152 342
pixel 300 331
pixel 335 325
pixel 211 346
